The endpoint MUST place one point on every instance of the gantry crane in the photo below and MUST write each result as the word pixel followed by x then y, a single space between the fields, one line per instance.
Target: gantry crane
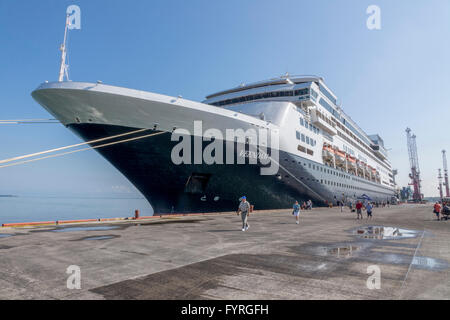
pixel 441 192
pixel 444 160
pixel 414 163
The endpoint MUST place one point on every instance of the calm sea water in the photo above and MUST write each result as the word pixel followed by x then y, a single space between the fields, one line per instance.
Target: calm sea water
pixel 37 208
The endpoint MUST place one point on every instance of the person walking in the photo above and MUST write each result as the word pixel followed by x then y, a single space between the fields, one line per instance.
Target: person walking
pixel 296 212
pixel 437 209
pixel 341 204
pixel 369 208
pixel 244 210
pixel 359 206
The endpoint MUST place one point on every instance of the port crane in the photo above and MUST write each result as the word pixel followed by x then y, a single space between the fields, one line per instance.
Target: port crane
pixel 414 163
pixel 441 193
pixel 447 187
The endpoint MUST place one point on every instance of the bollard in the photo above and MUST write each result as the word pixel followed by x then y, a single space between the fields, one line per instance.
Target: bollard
pixel 136 214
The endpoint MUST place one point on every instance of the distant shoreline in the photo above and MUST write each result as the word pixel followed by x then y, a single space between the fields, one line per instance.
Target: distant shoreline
pixel 7 196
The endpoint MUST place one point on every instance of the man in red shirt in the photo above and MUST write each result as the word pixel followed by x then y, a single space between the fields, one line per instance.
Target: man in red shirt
pixel 437 209
pixel 359 206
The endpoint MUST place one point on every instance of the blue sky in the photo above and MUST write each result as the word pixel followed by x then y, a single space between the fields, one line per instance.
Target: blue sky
pixel 387 79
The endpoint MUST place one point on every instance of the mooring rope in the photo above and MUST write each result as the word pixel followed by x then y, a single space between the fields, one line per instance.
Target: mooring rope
pixel 84 149
pixel 28 121
pixel 71 146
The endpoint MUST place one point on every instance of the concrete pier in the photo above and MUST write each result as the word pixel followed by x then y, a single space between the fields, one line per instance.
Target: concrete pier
pixel 326 256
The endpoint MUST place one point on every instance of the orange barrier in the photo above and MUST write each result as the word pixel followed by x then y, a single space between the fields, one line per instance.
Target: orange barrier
pixel 21 224
pixel 112 219
pixel 75 221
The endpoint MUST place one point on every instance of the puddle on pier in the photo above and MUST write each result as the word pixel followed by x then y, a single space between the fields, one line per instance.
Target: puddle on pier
pixel 70 229
pixel 429 263
pixel 99 238
pixel 5 235
pixel 340 252
pixel 384 233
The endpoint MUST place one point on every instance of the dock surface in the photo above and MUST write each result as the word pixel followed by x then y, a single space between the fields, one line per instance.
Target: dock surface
pixel 326 256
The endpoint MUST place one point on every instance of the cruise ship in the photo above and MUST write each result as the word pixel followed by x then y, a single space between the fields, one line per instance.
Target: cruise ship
pixel 319 152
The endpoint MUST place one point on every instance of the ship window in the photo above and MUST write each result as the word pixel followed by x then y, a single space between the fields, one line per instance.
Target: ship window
pixel 307 139
pixel 302 149
pixel 301 122
pixel 297 134
pixel 303 137
pixel 310 152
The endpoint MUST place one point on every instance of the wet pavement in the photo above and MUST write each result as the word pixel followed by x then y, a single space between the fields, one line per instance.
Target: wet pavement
pixel 385 233
pixel 100 237
pixel 327 256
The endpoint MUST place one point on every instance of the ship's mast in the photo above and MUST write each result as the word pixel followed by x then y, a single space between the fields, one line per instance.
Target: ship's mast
pixel 63 67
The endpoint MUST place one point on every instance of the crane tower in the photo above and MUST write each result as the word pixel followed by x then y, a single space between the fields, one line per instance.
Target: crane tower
pixel 414 164
pixel 444 159
pixel 441 192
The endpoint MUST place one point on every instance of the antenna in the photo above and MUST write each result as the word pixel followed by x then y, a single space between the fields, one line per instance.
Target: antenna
pixel 63 67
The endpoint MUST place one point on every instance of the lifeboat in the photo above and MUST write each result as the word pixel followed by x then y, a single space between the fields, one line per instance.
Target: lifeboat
pixel 327 152
pixel 340 157
pixel 377 177
pixel 374 174
pixel 351 161
pixel 370 173
pixel 360 168
pixel 328 155
pixel 351 164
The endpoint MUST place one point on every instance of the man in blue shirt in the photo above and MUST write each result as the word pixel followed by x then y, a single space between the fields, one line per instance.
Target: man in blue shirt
pixel 296 211
pixel 369 208
pixel 244 210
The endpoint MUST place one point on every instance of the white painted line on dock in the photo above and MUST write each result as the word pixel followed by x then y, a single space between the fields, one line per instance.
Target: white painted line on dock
pixel 410 265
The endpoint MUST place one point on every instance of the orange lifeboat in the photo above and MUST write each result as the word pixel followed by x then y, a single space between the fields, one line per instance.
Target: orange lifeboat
pixel 328 151
pixel 351 160
pixel 340 155
pixel 360 168
pixel 351 164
